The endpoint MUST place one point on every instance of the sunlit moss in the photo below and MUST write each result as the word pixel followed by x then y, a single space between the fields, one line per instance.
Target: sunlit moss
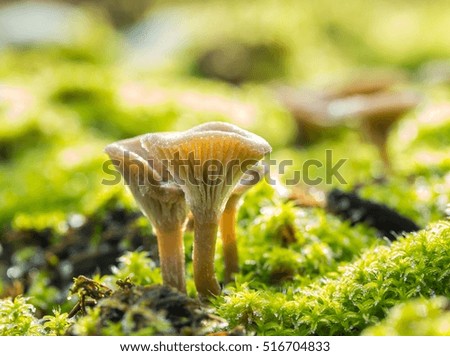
pixel 49 179
pixel 419 317
pixel 139 268
pixel 17 318
pixel 56 324
pixel 285 242
pixel 360 295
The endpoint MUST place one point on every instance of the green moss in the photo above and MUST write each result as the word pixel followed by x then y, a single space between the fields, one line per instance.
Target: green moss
pixel 51 179
pixel 89 324
pixel 423 198
pixel 138 267
pixel 44 296
pixel 419 317
pixel 17 318
pixel 359 295
pixel 285 243
pixel 56 324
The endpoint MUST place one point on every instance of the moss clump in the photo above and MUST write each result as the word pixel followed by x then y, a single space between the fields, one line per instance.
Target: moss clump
pixel 287 243
pixel 56 324
pixel 419 317
pixel 358 296
pixel 17 318
pixel 139 267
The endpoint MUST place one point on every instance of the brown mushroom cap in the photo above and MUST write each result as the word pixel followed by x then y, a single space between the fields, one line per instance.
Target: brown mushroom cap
pixel 189 157
pixel 377 113
pixel 307 106
pixel 367 82
pixel 386 105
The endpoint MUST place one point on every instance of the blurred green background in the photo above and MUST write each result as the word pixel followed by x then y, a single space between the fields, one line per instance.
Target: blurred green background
pixel 76 75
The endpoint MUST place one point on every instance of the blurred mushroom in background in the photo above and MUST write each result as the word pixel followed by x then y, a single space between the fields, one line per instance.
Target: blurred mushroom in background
pixel 369 100
pixel 310 108
pixel 377 114
pixel 365 83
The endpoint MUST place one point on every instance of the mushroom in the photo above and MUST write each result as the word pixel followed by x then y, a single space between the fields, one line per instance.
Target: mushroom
pixel 160 200
pixel 309 107
pixel 228 221
pixel 309 110
pixel 189 156
pixel 378 112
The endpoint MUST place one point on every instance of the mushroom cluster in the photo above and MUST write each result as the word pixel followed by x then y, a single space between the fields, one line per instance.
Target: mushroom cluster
pixel 205 170
pixel 371 101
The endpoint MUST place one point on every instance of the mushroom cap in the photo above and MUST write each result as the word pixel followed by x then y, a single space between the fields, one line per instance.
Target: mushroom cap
pixel 366 82
pixel 160 199
pixel 381 106
pixel 207 162
pixel 132 160
pixel 306 105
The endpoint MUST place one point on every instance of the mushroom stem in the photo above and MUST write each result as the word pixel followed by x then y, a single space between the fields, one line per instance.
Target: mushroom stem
pixel 171 257
pixel 204 250
pixel 377 133
pixel 384 155
pixel 228 234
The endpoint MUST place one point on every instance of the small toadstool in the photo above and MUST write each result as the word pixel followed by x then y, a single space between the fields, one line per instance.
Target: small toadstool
pixel 207 162
pixel 378 112
pixel 309 110
pixel 160 200
pixel 228 221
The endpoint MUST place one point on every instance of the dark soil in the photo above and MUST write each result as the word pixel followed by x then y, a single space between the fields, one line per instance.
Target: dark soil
pixel 89 245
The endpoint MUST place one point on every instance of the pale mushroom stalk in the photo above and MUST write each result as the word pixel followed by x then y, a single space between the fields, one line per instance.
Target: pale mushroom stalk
pixel 378 132
pixel 188 157
pixel 171 256
pixel 228 221
pixel 160 200
pixel 205 234
pixel 229 241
